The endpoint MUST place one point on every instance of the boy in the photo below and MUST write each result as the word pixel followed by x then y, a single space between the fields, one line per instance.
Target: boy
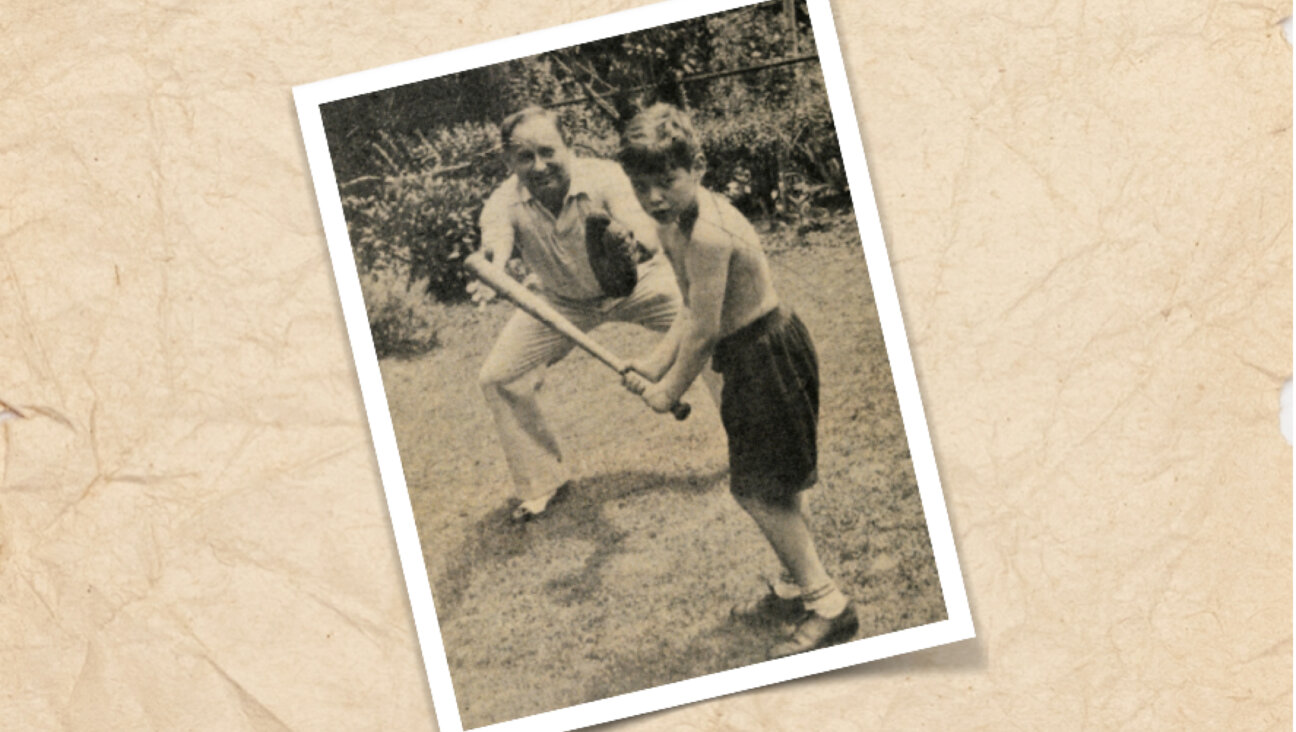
pixel 770 402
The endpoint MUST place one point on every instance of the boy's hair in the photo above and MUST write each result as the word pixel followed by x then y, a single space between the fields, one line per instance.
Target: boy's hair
pixel 512 121
pixel 658 139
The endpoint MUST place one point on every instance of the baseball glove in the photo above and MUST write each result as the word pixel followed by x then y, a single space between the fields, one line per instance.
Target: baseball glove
pixel 613 254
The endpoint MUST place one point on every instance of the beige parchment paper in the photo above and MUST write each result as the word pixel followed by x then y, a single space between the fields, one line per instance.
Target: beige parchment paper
pixel 1088 210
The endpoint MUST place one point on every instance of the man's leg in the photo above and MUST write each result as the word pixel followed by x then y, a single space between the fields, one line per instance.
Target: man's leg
pixel 509 379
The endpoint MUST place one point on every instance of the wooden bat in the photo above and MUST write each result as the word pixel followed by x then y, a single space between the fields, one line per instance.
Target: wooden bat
pixel 536 307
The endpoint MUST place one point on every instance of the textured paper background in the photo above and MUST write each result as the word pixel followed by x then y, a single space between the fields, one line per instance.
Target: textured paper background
pixel 1088 207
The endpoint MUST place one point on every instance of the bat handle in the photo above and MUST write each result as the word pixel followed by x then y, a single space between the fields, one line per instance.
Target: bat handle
pixel 681 410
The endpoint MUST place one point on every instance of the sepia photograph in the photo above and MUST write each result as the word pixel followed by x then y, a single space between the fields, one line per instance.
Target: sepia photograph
pixel 634 363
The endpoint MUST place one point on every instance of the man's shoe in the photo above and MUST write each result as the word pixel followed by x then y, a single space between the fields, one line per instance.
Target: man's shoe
pixel 768 610
pixel 816 631
pixel 535 508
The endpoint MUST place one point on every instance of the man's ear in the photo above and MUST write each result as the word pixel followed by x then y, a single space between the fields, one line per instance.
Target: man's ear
pixel 626 109
pixel 699 165
pixel 507 155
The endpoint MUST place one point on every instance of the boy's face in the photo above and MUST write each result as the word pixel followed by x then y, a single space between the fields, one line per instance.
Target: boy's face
pixel 667 194
pixel 539 158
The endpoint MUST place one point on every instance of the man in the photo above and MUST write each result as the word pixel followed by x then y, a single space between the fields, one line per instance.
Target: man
pixel 541 208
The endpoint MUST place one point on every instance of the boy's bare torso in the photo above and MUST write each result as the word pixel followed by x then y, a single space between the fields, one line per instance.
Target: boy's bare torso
pixel 720 229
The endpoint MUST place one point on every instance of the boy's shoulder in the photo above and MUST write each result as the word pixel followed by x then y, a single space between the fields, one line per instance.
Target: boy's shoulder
pixel 719 224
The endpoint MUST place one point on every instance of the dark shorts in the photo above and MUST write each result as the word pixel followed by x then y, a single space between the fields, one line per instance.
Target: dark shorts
pixel 770 406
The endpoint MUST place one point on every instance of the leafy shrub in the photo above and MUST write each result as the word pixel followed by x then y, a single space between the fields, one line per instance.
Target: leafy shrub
pixel 416 174
pixel 400 315
pixel 775 162
pixel 419 215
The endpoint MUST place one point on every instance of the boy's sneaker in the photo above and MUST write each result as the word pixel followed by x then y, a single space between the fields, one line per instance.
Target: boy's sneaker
pixel 815 631
pixel 769 610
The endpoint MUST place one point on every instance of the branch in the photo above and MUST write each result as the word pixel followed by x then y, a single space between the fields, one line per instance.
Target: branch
pixel 361 179
pixel 591 97
pixel 589 90
pixel 436 171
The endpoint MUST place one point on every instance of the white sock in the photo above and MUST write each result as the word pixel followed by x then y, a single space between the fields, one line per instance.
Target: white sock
pixel 826 600
pixel 786 587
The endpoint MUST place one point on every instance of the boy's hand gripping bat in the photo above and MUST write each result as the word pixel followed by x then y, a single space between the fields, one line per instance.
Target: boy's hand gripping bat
pixel 537 308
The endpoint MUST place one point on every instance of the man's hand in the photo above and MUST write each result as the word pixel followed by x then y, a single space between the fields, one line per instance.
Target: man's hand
pixel 481 293
pixel 612 253
pixel 625 239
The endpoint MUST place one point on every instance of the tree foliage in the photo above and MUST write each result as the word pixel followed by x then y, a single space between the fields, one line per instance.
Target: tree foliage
pixel 415 163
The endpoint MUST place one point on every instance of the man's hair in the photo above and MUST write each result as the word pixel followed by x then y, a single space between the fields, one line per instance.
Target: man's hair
pixel 658 139
pixel 511 122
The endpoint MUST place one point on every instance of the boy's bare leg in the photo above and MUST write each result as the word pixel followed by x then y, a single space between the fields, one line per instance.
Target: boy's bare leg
pixel 831 619
pixel 788 533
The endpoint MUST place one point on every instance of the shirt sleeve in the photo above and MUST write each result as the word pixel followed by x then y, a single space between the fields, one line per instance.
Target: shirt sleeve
pixel 624 207
pixel 497 236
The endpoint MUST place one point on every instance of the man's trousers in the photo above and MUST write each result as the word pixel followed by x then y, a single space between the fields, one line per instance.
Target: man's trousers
pixel 513 371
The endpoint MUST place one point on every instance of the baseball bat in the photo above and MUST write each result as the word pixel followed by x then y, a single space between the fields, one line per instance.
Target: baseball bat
pixel 536 307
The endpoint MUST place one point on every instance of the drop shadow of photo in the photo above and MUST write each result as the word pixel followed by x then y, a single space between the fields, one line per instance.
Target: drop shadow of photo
pixel 964 657
pixel 575 514
pixel 967 656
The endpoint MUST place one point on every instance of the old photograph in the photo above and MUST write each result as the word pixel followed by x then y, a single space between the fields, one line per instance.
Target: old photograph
pixel 634 363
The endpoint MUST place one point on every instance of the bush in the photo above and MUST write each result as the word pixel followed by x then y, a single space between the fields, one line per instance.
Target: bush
pixel 419 215
pixel 399 315
pixel 415 174
pixel 774 162
pixel 417 162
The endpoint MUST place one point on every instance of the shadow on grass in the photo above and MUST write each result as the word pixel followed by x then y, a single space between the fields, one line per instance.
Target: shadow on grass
pixel 575 514
pixel 714 647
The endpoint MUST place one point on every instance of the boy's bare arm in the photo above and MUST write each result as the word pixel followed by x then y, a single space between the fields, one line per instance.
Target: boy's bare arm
pixel 659 359
pixel 707 266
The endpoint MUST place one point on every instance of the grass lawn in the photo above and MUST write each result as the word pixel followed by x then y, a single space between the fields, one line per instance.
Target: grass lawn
pixel 628 582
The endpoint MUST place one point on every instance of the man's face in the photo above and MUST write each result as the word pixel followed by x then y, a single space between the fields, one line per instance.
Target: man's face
pixel 667 194
pixel 539 158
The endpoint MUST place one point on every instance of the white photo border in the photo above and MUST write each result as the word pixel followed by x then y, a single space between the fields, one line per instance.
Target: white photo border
pixel 958 623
